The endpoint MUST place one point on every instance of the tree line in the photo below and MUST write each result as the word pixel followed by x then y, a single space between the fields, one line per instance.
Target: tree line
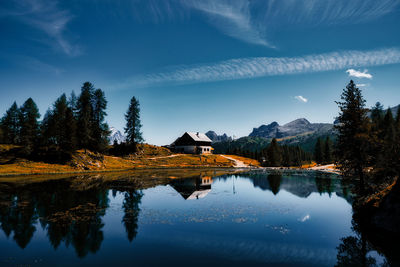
pixel 323 153
pixel 368 141
pixel 76 122
pixel 275 155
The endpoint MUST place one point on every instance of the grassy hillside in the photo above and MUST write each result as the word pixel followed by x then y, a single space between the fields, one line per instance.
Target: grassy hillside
pixel 148 157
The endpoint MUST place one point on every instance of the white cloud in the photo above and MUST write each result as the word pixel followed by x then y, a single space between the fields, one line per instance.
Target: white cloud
pixel 47 17
pixel 301 98
pixel 305 218
pixel 359 74
pixel 361 84
pixel 246 68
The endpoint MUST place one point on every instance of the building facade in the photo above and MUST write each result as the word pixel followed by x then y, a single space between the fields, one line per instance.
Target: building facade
pixel 192 143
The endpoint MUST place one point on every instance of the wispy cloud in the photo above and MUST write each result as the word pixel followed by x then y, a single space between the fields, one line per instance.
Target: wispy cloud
pixel 362 84
pixel 301 98
pixel 47 17
pixel 233 18
pixel 246 68
pixel 359 74
pixel 255 21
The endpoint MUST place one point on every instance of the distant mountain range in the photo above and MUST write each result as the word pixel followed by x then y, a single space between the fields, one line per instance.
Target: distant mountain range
pixel 218 138
pixel 293 128
pixel 116 135
pixel 298 132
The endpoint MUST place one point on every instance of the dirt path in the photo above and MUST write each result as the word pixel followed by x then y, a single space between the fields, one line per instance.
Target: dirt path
pixel 163 157
pixel 326 168
pixel 237 163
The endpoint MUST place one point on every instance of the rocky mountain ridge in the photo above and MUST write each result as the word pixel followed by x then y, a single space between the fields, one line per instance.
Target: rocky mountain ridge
pixel 293 128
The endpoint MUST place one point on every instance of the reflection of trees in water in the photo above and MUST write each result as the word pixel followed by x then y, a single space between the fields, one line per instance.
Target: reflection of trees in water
pixel 17 216
pixel 274 180
pixel 131 210
pixel 356 250
pixel 70 216
pixel 323 183
pixel 353 251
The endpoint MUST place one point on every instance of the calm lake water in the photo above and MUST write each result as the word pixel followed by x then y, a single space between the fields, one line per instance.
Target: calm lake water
pixel 208 218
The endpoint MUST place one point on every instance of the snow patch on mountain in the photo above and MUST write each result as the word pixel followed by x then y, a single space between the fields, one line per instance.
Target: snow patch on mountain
pixel 116 135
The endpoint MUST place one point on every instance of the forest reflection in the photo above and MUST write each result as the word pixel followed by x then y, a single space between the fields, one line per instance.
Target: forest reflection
pixel 71 210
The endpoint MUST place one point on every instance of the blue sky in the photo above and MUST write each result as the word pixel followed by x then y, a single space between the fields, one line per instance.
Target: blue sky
pixel 198 65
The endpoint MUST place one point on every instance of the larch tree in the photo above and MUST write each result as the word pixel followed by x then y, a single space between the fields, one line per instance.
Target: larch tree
pixel 29 125
pixel 85 115
pixel 318 152
pixel 10 125
pixel 133 125
pixel 328 150
pixel 274 154
pixel 100 131
pixel 352 134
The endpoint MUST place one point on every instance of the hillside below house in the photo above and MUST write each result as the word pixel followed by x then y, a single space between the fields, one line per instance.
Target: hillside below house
pixel 192 143
pixel 147 157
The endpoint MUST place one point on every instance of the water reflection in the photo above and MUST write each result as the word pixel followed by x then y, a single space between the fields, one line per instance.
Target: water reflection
pixel 193 188
pixel 72 211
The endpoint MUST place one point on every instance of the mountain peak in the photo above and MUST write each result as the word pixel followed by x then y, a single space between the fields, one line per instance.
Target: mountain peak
pixel 301 121
pixel 218 138
pixel 116 135
pixel 293 128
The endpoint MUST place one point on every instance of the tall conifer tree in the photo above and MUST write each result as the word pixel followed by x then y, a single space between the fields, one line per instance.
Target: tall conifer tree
pixel 10 124
pixel 352 134
pixel 29 125
pixel 328 150
pixel 133 125
pixel 99 129
pixel 318 152
pixel 85 115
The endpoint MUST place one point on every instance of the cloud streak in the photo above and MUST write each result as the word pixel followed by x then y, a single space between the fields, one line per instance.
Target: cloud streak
pixel 232 18
pixel 359 74
pixel 254 21
pixel 248 68
pixel 47 17
pixel 301 98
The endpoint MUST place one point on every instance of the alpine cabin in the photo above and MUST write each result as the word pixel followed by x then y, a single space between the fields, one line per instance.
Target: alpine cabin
pixel 192 143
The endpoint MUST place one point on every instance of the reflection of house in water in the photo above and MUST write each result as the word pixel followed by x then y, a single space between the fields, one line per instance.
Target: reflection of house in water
pixel 193 188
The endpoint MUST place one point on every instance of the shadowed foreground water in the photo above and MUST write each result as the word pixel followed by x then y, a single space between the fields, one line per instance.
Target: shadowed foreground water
pixel 246 219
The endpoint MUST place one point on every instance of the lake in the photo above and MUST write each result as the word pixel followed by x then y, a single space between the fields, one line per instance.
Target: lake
pixel 163 218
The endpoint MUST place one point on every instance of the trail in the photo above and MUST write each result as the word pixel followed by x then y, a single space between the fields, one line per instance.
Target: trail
pixel 237 163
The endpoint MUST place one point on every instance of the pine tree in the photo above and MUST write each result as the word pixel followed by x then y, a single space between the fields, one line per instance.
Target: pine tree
pixel 352 134
pixel 29 126
pixel 274 154
pixel 73 103
pixel 100 131
pixel 376 133
pixel 318 152
pixel 133 125
pixel 388 154
pixel 10 125
pixel 328 150
pixel 85 115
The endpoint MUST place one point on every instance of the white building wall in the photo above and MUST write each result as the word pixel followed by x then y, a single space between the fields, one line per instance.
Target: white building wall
pixel 194 149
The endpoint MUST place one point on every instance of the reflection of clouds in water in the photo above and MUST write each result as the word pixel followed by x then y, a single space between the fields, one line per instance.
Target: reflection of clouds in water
pixel 305 218
pixel 282 229
pixel 237 248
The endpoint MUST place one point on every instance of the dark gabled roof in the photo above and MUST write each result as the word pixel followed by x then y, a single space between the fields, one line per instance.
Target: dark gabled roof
pixel 196 137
